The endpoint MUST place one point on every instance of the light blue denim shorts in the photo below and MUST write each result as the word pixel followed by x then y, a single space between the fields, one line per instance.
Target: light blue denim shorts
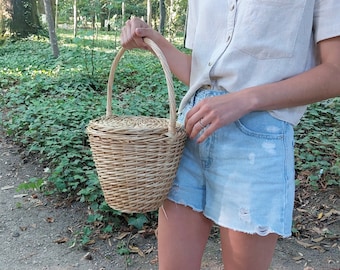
pixel 242 176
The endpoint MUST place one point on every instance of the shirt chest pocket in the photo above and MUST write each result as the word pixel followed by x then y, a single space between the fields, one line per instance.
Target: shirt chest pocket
pixel 268 29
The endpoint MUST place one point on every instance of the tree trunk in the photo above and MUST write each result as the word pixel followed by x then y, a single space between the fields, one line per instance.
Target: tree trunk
pixel 23 17
pixel 162 13
pixel 2 17
pixel 123 13
pixel 149 13
pixel 74 18
pixel 51 28
pixel 56 14
pixel 171 15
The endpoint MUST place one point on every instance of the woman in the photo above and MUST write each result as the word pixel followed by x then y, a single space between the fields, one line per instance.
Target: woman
pixel 254 67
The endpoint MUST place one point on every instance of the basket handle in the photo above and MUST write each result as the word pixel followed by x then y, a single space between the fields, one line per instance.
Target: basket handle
pixel 168 76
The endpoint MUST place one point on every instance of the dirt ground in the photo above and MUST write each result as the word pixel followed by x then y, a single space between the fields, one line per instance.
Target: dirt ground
pixel 37 232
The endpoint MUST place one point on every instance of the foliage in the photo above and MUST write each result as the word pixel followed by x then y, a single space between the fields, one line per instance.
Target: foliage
pixel 46 104
pixel 317 144
pixel 33 184
pixel 97 11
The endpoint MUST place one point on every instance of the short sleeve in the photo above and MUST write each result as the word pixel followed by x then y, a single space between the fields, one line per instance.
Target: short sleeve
pixel 191 24
pixel 326 19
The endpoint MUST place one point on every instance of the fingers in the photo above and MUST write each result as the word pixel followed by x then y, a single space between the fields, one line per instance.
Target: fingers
pixel 207 131
pixel 211 114
pixel 132 34
pixel 199 121
pixel 203 130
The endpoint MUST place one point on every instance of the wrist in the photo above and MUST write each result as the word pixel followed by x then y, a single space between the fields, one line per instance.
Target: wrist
pixel 251 101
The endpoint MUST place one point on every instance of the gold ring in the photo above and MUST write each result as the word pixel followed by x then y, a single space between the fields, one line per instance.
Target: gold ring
pixel 200 122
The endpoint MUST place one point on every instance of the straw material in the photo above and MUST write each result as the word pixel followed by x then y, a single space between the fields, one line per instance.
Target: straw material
pixel 136 157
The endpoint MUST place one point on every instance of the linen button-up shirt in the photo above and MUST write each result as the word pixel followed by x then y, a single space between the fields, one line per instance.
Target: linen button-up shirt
pixel 242 43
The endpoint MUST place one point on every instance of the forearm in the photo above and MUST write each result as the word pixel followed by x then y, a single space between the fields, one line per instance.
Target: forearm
pixel 318 84
pixel 179 62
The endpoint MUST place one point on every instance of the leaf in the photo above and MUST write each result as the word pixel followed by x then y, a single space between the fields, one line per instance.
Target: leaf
pixel 61 240
pixel 7 187
pixel 297 258
pixel 319 248
pixel 138 221
pixel 148 251
pixel 332 212
pixel 90 242
pixel 135 249
pixel 305 245
pixel 123 251
pixel 317 240
pixel 104 236
pixel 321 231
pixel 122 235
pixel 49 219
pixel 302 210
pixel 88 256
pixel 23 228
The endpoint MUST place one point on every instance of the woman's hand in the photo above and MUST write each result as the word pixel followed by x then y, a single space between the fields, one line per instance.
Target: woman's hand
pixel 212 113
pixel 133 32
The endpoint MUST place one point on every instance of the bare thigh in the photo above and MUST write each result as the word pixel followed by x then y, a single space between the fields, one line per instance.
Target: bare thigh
pixel 182 236
pixel 241 251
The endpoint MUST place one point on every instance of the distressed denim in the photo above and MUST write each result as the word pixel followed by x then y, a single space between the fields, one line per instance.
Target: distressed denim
pixel 242 176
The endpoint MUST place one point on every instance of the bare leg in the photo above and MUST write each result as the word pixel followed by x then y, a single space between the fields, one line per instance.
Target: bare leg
pixel 182 236
pixel 241 251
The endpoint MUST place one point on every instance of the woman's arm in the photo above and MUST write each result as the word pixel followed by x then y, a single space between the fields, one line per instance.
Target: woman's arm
pixel 319 83
pixel 132 37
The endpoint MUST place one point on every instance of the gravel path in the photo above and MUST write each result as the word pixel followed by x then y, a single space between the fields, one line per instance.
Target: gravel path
pixel 31 226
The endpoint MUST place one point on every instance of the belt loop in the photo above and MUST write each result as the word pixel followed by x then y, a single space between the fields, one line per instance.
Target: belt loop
pixel 212 86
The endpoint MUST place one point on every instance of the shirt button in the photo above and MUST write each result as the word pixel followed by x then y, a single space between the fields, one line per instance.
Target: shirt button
pixel 209 64
pixel 232 7
pixel 228 38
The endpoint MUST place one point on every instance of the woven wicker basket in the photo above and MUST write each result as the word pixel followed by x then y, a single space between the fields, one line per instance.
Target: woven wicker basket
pixel 136 157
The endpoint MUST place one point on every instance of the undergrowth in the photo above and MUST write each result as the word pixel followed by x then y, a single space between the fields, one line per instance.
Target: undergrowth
pixel 317 150
pixel 47 103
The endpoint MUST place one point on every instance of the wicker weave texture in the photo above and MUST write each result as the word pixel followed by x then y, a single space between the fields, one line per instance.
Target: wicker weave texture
pixel 136 157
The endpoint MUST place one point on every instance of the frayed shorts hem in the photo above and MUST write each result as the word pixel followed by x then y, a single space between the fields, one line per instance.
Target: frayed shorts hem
pixel 234 228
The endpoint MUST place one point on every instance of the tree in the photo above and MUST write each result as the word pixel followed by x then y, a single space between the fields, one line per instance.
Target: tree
pixel 162 13
pixel 19 17
pixel 74 18
pixel 123 13
pixel 51 28
pixel 149 12
pixel 2 18
pixel 56 14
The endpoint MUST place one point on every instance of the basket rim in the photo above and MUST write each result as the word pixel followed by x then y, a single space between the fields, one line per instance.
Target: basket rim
pixel 99 123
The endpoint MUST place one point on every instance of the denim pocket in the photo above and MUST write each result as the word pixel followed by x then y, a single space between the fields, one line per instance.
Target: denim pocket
pixel 262 125
pixel 268 29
